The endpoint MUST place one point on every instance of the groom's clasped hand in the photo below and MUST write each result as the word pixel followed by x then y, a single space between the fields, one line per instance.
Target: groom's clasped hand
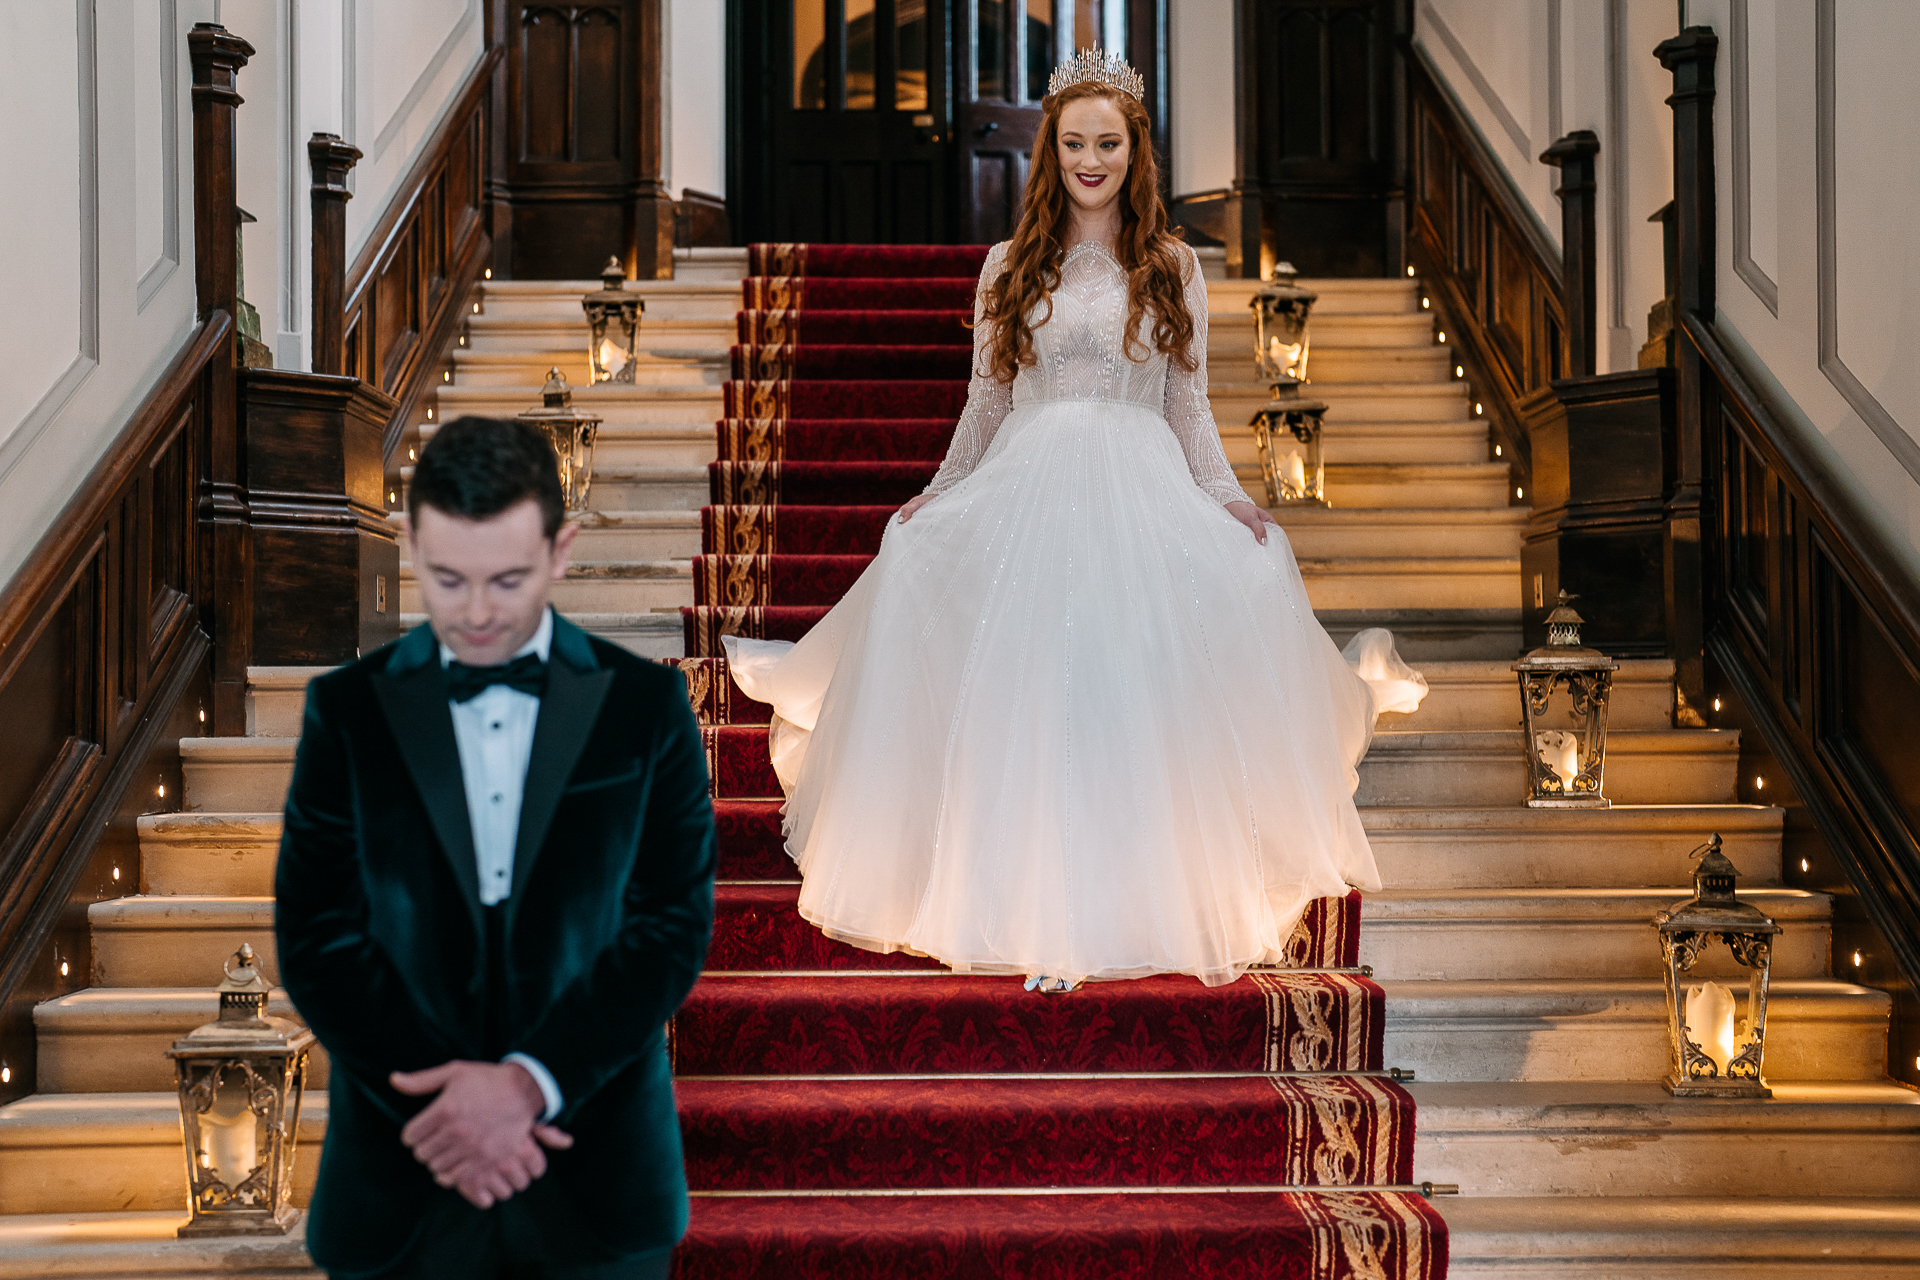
pixel 481 1135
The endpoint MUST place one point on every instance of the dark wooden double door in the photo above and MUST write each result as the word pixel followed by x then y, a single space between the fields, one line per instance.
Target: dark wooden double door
pixel 894 121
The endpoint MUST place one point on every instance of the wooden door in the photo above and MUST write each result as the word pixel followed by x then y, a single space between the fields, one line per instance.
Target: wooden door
pixel 843 135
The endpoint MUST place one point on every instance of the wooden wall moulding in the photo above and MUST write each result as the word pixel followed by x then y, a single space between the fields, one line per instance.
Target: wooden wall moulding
pixel 578 141
pixel 406 293
pixel 326 559
pixel 1486 263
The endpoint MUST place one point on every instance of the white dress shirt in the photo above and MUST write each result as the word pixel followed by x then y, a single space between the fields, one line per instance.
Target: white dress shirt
pixel 494 732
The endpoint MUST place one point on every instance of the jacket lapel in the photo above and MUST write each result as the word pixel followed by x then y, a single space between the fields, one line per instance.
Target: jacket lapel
pixel 413 694
pixel 576 688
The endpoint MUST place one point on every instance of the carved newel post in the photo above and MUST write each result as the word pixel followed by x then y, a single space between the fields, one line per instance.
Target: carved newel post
pixel 331 160
pixel 1574 156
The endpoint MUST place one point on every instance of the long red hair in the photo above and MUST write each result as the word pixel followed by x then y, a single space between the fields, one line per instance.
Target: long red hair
pixel 1151 256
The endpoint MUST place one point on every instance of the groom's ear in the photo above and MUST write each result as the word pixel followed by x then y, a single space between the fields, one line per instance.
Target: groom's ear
pixel 563 547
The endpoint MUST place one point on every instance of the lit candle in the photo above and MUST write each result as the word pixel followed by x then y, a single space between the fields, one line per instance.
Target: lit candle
pixel 1296 474
pixel 1561 752
pixel 228 1132
pixel 1710 1022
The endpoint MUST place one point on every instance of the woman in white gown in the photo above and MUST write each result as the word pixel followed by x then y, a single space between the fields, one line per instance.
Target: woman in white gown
pixel 1077 720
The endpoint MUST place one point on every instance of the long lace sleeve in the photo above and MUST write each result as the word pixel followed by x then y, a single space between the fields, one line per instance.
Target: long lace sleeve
pixel 989 401
pixel 1188 410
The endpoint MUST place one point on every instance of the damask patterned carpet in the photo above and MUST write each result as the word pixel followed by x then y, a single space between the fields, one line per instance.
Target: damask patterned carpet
pixel 858 1117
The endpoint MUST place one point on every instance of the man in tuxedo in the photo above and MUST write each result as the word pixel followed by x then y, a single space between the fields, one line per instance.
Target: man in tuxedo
pixel 494 889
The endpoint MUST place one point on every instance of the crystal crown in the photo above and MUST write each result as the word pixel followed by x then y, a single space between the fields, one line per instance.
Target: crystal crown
pixel 1101 66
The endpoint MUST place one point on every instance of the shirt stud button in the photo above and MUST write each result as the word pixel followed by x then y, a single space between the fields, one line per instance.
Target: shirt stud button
pixel 497 797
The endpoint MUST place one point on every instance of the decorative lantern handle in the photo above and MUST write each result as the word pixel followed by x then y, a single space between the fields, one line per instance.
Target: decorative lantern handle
pixel 244 955
pixel 1711 846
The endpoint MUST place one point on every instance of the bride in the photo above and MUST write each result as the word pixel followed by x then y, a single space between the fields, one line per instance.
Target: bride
pixel 1077 720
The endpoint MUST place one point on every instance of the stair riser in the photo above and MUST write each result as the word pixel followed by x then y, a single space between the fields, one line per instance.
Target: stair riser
pixel 673 440
pixel 616 543
pixel 679 410
pixel 594 595
pixel 158 956
pixel 1668 1161
pixel 1415 492
pixel 1440 640
pixel 225 867
pixel 493 336
pixel 275 713
pixel 1629 859
pixel 1229 302
pixel 1824 1044
pixel 1329 587
pixel 1416 404
pixel 1460 950
pixel 611 494
pixel 1230 368
pixel 1495 704
pixel 132 1061
pixel 1441 444
pixel 528 374
pixel 1473 779
pixel 1402 539
pixel 127 1176
pixel 718 305
pixel 652 643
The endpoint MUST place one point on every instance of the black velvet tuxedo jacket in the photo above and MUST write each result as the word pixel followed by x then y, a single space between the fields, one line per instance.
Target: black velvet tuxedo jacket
pixel 382 939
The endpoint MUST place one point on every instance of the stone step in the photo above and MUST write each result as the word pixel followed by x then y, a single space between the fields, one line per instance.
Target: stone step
pixel 1358 401
pixel 1320 532
pixel 1601 1139
pixel 1434 634
pixel 1335 295
pixel 678 442
pixel 642 533
pixel 114 1039
pixel 1486 695
pixel 529 336
pixel 1623 847
pixel 1611 1029
pixel 654 635
pixel 620 408
pixel 1479 485
pixel 1381 583
pixel 1488 934
pixel 559 300
pixel 178 940
pixel 1481 769
pixel 86 1153
pixel 716 265
pixel 649 488
pixel 277 699
pixel 653 368
pixel 1230 334
pixel 208 853
pixel 1401 443
pixel 1231 371
pixel 1682 1237
pixel 143 1245
pixel 598 586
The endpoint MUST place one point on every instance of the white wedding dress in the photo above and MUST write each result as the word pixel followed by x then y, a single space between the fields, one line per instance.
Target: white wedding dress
pixel 1074 720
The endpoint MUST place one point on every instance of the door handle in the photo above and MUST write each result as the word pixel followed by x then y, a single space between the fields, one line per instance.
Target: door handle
pixel 991 126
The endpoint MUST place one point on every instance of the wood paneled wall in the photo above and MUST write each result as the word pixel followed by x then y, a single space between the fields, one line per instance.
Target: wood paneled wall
pixel 1488 269
pixel 407 291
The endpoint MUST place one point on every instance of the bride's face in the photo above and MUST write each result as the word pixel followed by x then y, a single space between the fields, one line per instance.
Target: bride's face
pixel 1093 152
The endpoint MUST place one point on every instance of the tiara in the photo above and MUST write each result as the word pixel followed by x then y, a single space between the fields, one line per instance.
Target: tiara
pixel 1097 65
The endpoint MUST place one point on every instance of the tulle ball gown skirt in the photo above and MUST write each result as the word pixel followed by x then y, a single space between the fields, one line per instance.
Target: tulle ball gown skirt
pixel 1073 720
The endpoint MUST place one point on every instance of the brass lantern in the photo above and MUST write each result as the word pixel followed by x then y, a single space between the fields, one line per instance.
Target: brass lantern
pixel 241 1077
pixel 610 308
pixel 1715 1053
pixel 571 432
pixel 1565 767
pixel 1288 421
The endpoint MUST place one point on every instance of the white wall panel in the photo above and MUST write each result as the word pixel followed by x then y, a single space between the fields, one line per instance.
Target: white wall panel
pixel 1201 89
pixel 696 96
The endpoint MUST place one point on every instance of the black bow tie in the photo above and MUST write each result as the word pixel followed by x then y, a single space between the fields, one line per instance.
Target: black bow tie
pixel 527 673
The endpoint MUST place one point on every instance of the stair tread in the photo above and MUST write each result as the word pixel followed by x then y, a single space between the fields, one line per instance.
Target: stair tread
pixel 1525 1228
pixel 1585 1106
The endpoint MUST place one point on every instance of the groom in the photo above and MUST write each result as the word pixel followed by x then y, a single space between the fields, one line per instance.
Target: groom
pixel 495 887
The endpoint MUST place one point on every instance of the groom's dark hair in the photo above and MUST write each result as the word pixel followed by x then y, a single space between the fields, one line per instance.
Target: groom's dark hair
pixel 475 468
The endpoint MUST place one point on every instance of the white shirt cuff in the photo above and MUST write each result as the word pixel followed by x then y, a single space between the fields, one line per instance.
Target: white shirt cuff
pixel 544 1078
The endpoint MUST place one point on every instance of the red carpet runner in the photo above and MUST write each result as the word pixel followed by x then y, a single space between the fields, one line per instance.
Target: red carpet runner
pixel 859 1117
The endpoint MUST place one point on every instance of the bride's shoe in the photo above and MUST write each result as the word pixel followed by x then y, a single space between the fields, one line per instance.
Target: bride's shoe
pixel 1049 986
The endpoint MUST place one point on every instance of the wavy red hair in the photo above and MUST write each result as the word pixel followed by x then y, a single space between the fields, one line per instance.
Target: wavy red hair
pixel 1149 253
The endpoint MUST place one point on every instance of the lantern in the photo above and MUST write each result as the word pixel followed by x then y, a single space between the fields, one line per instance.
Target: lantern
pixel 611 307
pixel 241 1077
pixel 1287 429
pixel 1565 766
pixel 1716 1054
pixel 571 432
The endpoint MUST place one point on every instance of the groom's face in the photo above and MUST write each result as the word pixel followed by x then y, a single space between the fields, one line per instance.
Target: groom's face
pixel 486 582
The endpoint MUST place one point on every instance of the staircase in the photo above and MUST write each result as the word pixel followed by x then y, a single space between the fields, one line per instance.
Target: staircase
pixel 1512 955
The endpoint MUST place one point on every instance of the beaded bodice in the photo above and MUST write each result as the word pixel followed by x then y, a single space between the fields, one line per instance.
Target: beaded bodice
pixel 1080 354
